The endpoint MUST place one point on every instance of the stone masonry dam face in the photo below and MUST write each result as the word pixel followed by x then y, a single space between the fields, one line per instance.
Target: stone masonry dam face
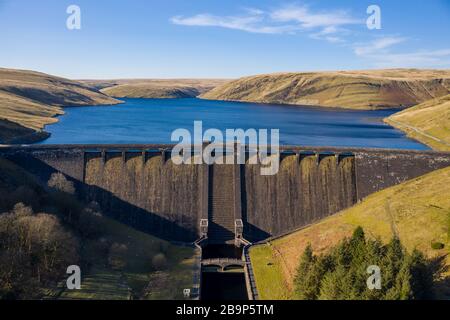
pixel 140 185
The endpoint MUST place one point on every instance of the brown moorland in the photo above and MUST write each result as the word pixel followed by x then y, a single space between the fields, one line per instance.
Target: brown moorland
pixel 155 88
pixel 428 122
pixel 369 89
pixel 30 99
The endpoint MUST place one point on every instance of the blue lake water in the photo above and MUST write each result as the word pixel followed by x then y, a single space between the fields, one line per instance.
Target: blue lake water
pixel 153 120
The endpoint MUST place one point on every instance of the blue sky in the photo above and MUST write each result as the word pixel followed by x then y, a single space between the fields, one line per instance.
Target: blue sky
pixel 220 39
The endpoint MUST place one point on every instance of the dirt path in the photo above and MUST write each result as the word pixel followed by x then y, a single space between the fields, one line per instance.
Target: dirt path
pixel 419 132
pixel 391 217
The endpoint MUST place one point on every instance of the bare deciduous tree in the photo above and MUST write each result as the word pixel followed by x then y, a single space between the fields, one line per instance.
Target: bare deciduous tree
pixel 59 182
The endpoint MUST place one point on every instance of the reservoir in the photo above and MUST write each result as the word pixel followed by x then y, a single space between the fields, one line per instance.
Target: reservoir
pixel 153 120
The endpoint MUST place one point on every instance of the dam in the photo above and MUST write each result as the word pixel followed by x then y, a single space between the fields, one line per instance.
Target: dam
pixel 140 186
pixel 223 208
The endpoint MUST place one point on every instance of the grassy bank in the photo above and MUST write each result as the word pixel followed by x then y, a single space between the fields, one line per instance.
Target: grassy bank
pixel 428 122
pixel 417 211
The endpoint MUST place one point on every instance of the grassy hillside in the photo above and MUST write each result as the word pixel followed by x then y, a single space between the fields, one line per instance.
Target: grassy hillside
pixel 32 100
pixel 150 91
pixel 137 279
pixel 428 122
pixel 11 132
pixel 155 88
pixel 372 89
pixel 417 211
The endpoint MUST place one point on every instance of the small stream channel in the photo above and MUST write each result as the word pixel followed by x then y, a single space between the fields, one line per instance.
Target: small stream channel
pixel 222 285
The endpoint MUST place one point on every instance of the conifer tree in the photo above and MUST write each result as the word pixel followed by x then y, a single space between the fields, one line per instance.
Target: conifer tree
pixel 342 272
pixel 303 290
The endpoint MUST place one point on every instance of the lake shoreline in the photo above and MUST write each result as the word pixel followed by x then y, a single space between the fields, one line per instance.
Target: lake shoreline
pixel 178 112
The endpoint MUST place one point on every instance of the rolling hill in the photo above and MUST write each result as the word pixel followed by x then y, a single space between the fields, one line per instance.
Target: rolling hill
pixel 155 88
pixel 11 133
pixel 30 100
pixel 417 211
pixel 428 122
pixel 372 89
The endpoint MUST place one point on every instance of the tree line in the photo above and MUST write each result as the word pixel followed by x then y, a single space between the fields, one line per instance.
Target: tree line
pixel 342 272
pixel 41 231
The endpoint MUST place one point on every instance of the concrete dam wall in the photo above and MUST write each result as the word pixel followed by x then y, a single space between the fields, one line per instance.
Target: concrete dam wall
pixel 141 186
pixel 305 189
pixel 171 193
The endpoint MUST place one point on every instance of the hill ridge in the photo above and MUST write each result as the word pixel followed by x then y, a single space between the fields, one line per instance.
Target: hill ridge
pixel 366 89
pixel 31 100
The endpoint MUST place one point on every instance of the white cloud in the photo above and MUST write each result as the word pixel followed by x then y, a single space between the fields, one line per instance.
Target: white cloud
pixel 329 30
pixel 308 19
pixel 434 58
pixel 334 39
pixel 334 26
pixel 253 22
pixel 331 34
pixel 285 20
pixel 380 53
pixel 378 46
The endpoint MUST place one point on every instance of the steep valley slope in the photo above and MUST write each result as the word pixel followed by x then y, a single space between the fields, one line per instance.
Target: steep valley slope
pixel 428 122
pixel 155 88
pixel 371 89
pixel 30 100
